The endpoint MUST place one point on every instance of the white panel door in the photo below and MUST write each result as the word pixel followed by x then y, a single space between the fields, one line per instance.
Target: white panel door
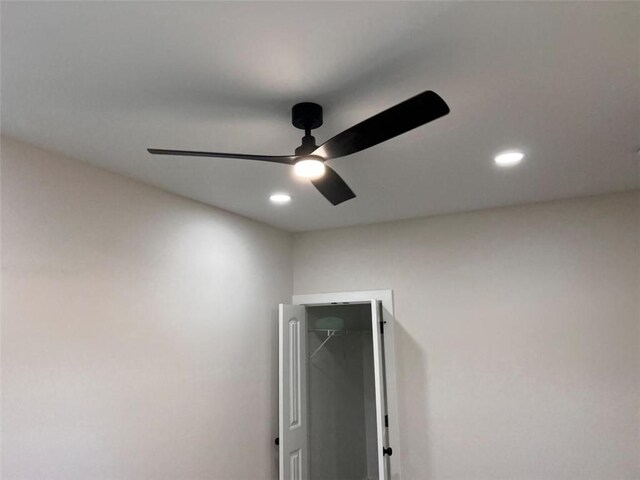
pixel 381 407
pixel 294 451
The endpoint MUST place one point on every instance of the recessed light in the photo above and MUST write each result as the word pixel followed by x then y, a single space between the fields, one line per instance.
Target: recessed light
pixel 280 198
pixel 508 159
pixel 311 167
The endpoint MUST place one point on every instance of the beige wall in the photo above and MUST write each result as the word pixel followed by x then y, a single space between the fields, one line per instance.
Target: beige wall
pixel 518 335
pixel 138 329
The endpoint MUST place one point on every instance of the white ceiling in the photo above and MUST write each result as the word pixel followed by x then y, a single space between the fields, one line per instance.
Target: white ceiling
pixel 103 81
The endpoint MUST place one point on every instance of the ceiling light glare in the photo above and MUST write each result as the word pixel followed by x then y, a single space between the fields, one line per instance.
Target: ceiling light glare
pixel 309 167
pixel 280 198
pixel 508 159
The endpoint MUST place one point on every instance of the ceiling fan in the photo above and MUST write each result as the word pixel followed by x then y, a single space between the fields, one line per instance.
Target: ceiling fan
pixel 309 159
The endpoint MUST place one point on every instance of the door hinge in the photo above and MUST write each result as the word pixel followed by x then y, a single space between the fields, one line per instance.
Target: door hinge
pixel 387 451
pixel 386 420
pixel 381 327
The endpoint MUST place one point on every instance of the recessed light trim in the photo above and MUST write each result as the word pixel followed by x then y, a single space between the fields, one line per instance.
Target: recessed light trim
pixel 509 158
pixel 280 198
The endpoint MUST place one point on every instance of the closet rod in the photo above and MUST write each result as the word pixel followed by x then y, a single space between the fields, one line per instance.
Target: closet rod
pixel 336 331
pixel 330 334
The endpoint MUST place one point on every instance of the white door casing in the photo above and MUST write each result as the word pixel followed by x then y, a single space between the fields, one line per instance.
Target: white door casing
pixel 293 428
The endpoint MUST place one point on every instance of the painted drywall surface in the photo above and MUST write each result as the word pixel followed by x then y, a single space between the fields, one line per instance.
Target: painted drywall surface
pixel 518 338
pixel 139 329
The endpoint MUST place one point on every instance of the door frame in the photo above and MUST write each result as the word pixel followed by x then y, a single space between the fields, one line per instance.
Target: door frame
pixel 385 297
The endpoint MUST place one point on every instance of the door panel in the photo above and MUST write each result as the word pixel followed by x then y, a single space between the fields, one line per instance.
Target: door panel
pixel 381 407
pixel 294 451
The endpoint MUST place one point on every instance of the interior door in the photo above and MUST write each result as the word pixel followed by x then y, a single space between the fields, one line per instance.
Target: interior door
pixel 381 407
pixel 294 450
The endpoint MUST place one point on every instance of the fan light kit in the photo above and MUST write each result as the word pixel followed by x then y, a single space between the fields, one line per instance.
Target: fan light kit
pixel 508 159
pixel 280 198
pixel 309 160
pixel 311 167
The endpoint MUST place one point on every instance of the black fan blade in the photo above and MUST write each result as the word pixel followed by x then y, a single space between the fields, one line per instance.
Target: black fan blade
pixel 286 159
pixel 405 116
pixel 333 187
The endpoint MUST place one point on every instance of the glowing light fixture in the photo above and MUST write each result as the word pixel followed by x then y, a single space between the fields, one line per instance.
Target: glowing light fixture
pixel 280 198
pixel 310 167
pixel 508 159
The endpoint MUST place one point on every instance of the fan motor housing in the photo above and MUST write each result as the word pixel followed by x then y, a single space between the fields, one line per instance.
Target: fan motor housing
pixel 306 116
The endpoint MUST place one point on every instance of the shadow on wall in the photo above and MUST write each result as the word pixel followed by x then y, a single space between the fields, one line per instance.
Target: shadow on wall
pixel 411 365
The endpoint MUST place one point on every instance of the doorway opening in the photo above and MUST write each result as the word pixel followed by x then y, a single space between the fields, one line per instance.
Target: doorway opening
pixel 338 405
pixel 342 406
